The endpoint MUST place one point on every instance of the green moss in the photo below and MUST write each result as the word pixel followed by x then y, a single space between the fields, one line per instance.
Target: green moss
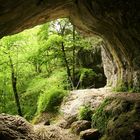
pixel 118 119
pixel 123 127
pixel 100 117
pixel 124 87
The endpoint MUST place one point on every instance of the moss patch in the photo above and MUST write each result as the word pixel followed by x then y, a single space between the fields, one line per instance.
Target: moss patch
pixel 118 119
pixel 100 118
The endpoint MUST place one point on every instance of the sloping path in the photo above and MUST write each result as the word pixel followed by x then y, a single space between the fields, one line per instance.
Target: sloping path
pixel 78 98
pixel 70 107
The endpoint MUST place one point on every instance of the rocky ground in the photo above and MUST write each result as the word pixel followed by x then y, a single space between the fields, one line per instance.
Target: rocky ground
pixel 78 98
pixel 113 118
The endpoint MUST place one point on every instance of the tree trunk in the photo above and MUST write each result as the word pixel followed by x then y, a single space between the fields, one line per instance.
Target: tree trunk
pixel 14 86
pixel 73 65
pixel 66 63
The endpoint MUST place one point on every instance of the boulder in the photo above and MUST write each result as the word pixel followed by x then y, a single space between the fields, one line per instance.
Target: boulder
pixel 90 134
pixel 69 119
pixel 79 126
pixel 63 124
pixel 15 128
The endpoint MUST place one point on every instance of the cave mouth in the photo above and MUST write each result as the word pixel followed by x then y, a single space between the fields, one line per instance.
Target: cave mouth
pixel 80 55
pixel 115 21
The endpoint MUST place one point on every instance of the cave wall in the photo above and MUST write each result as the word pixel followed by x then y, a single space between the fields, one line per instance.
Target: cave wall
pixel 116 21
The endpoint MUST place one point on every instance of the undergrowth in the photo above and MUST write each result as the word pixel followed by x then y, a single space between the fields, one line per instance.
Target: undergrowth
pixel 50 100
pixel 85 113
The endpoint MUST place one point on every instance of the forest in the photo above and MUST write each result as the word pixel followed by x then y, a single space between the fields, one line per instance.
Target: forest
pixel 39 67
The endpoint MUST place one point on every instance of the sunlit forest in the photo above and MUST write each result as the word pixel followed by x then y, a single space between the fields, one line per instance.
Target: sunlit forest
pixel 39 66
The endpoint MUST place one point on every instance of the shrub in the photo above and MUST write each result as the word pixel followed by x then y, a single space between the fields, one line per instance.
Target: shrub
pixel 50 100
pixel 85 113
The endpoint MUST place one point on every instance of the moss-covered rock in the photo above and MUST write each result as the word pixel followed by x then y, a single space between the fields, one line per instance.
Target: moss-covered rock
pixel 118 119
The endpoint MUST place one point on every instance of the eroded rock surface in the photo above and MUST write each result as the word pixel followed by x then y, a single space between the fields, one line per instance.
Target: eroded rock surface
pixel 15 128
pixel 80 125
pixel 78 98
pixel 90 134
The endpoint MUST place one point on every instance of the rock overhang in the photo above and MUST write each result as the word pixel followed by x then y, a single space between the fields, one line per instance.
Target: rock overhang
pixel 117 21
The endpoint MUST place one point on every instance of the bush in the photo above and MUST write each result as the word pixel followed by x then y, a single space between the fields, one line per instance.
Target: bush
pixel 50 100
pixel 85 113
pixel 29 104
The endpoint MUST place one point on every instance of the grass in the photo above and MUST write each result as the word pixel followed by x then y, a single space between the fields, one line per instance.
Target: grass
pixel 85 113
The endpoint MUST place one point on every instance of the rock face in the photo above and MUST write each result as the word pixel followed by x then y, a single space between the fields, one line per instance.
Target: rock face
pixel 92 59
pixel 116 21
pixel 118 117
pixel 79 126
pixel 15 127
pixel 77 98
pixel 90 134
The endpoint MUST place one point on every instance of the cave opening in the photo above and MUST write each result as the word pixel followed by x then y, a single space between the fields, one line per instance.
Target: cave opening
pixel 115 21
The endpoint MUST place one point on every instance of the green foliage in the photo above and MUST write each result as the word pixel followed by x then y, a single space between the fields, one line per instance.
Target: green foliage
pixel 121 87
pixel 39 66
pixel 85 113
pixel 53 93
pixel 29 104
pixel 86 77
pixel 51 100
pixel 100 117
pixel 85 72
pixel 30 97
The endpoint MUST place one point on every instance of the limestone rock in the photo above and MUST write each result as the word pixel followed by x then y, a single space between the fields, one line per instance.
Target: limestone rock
pixel 15 127
pixel 90 134
pixel 77 98
pixel 79 126
pixel 63 124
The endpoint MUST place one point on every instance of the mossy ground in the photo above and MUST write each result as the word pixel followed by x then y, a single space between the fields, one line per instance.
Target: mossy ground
pixel 118 119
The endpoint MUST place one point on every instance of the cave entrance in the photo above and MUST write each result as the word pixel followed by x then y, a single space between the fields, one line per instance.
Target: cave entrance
pixel 80 55
pixel 52 58
pixel 115 21
pixel 58 45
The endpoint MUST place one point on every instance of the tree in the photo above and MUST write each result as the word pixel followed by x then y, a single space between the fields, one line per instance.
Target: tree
pixel 9 44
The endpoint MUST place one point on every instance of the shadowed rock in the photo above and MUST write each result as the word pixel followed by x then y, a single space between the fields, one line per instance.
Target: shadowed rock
pixel 90 134
pixel 79 126
pixel 15 127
